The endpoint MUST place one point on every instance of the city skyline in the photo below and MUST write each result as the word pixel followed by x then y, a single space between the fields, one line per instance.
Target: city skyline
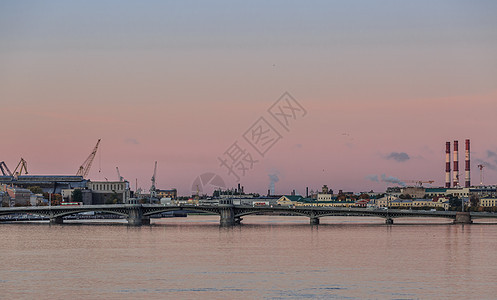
pixel 383 86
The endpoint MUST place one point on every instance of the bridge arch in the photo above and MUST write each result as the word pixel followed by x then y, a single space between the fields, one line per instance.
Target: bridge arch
pixel 75 212
pixel 154 211
pixel 273 211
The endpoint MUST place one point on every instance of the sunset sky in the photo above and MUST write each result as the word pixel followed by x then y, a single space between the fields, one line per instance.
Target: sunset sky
pixel 382 85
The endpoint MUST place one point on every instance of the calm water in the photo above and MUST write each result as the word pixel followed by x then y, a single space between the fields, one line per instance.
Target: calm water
pixel 267 257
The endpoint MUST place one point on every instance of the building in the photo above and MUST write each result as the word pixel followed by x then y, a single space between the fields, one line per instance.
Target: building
pixel 332 203
pixel 394 202
pixel 324 197
pixel 384 201
pixel 458 192
pixel 19 196
pixel 86 195
pixel 48 183
pixel 289 200
pixel 435 192
pixel 488 202
pixel 172 193
pixel 109 192
pixel 414 192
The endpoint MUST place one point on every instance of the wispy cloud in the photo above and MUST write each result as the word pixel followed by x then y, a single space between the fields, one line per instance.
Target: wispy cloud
pixel 398 156
pixel 373 178
pixel 131 141
pixel 490 162
pixel 391 179
pixel 487 164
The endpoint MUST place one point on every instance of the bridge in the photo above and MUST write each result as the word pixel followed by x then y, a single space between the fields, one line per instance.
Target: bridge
pixel 139 214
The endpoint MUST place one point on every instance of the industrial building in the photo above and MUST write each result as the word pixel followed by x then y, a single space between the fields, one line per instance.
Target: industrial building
pixel 109 192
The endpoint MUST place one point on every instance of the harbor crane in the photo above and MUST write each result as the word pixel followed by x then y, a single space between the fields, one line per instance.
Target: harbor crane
pixel 84 169
pixel 5 170
pixel 153 192
pixel 24 166
pixel 119 174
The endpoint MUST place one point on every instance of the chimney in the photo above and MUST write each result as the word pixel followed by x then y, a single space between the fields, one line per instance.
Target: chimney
pixel 455 158
pixel 307 192
pixel 467 177
pixel 447 164
pixel 239 189
pixel 269 192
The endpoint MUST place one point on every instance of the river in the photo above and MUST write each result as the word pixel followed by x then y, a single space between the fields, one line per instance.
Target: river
pixel 268 257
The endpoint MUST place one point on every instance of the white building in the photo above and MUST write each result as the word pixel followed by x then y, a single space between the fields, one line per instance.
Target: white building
pixel 107 192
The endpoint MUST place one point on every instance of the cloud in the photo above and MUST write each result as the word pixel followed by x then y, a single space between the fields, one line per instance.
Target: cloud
pixel 273 178
pixel 491 162
pixel 398 156
pixel 487 165
pixel 131 141
pixel 373 178
pixel 391 179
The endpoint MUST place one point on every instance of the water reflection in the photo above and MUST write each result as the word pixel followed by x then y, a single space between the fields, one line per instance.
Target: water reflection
pixel 266 257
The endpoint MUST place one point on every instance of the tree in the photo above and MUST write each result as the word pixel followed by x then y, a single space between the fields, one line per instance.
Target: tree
pixel 35 189
pixel 56 198
pixel 474 200
pixel 77 195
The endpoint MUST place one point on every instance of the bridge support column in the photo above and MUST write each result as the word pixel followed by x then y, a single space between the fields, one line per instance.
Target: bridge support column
pixel 145 220
pixel 135 217
pixel 389 221
pixel 227 216
pixel 56 220
pixel 314 221
pixel 463 218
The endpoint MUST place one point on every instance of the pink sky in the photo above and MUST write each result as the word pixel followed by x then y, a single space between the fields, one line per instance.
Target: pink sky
pixel 182 94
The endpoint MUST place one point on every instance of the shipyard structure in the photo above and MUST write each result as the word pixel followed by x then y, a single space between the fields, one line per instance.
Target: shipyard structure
pixel 92 192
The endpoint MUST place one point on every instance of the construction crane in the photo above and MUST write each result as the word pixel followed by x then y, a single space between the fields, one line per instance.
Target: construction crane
pixel 119 174
pixel 24 166
pixel 481 173
pixel 419 182
pixel 153 192
pixel 84 169
pixel 5 170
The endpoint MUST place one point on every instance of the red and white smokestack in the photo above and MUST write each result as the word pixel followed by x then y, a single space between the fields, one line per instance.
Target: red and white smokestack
pixel 455 158
pixel 467 177
pixel 447 164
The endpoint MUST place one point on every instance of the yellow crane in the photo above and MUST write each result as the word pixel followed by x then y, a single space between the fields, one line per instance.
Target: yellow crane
pixel 24 166
pixel 84 169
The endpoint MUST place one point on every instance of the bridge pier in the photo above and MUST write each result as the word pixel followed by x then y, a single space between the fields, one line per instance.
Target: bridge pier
pixel 135 217
pixel 56 220
pixel 463 218
pixel 145 220
pixel 389 221
pixel 314 221
pixel 227 216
